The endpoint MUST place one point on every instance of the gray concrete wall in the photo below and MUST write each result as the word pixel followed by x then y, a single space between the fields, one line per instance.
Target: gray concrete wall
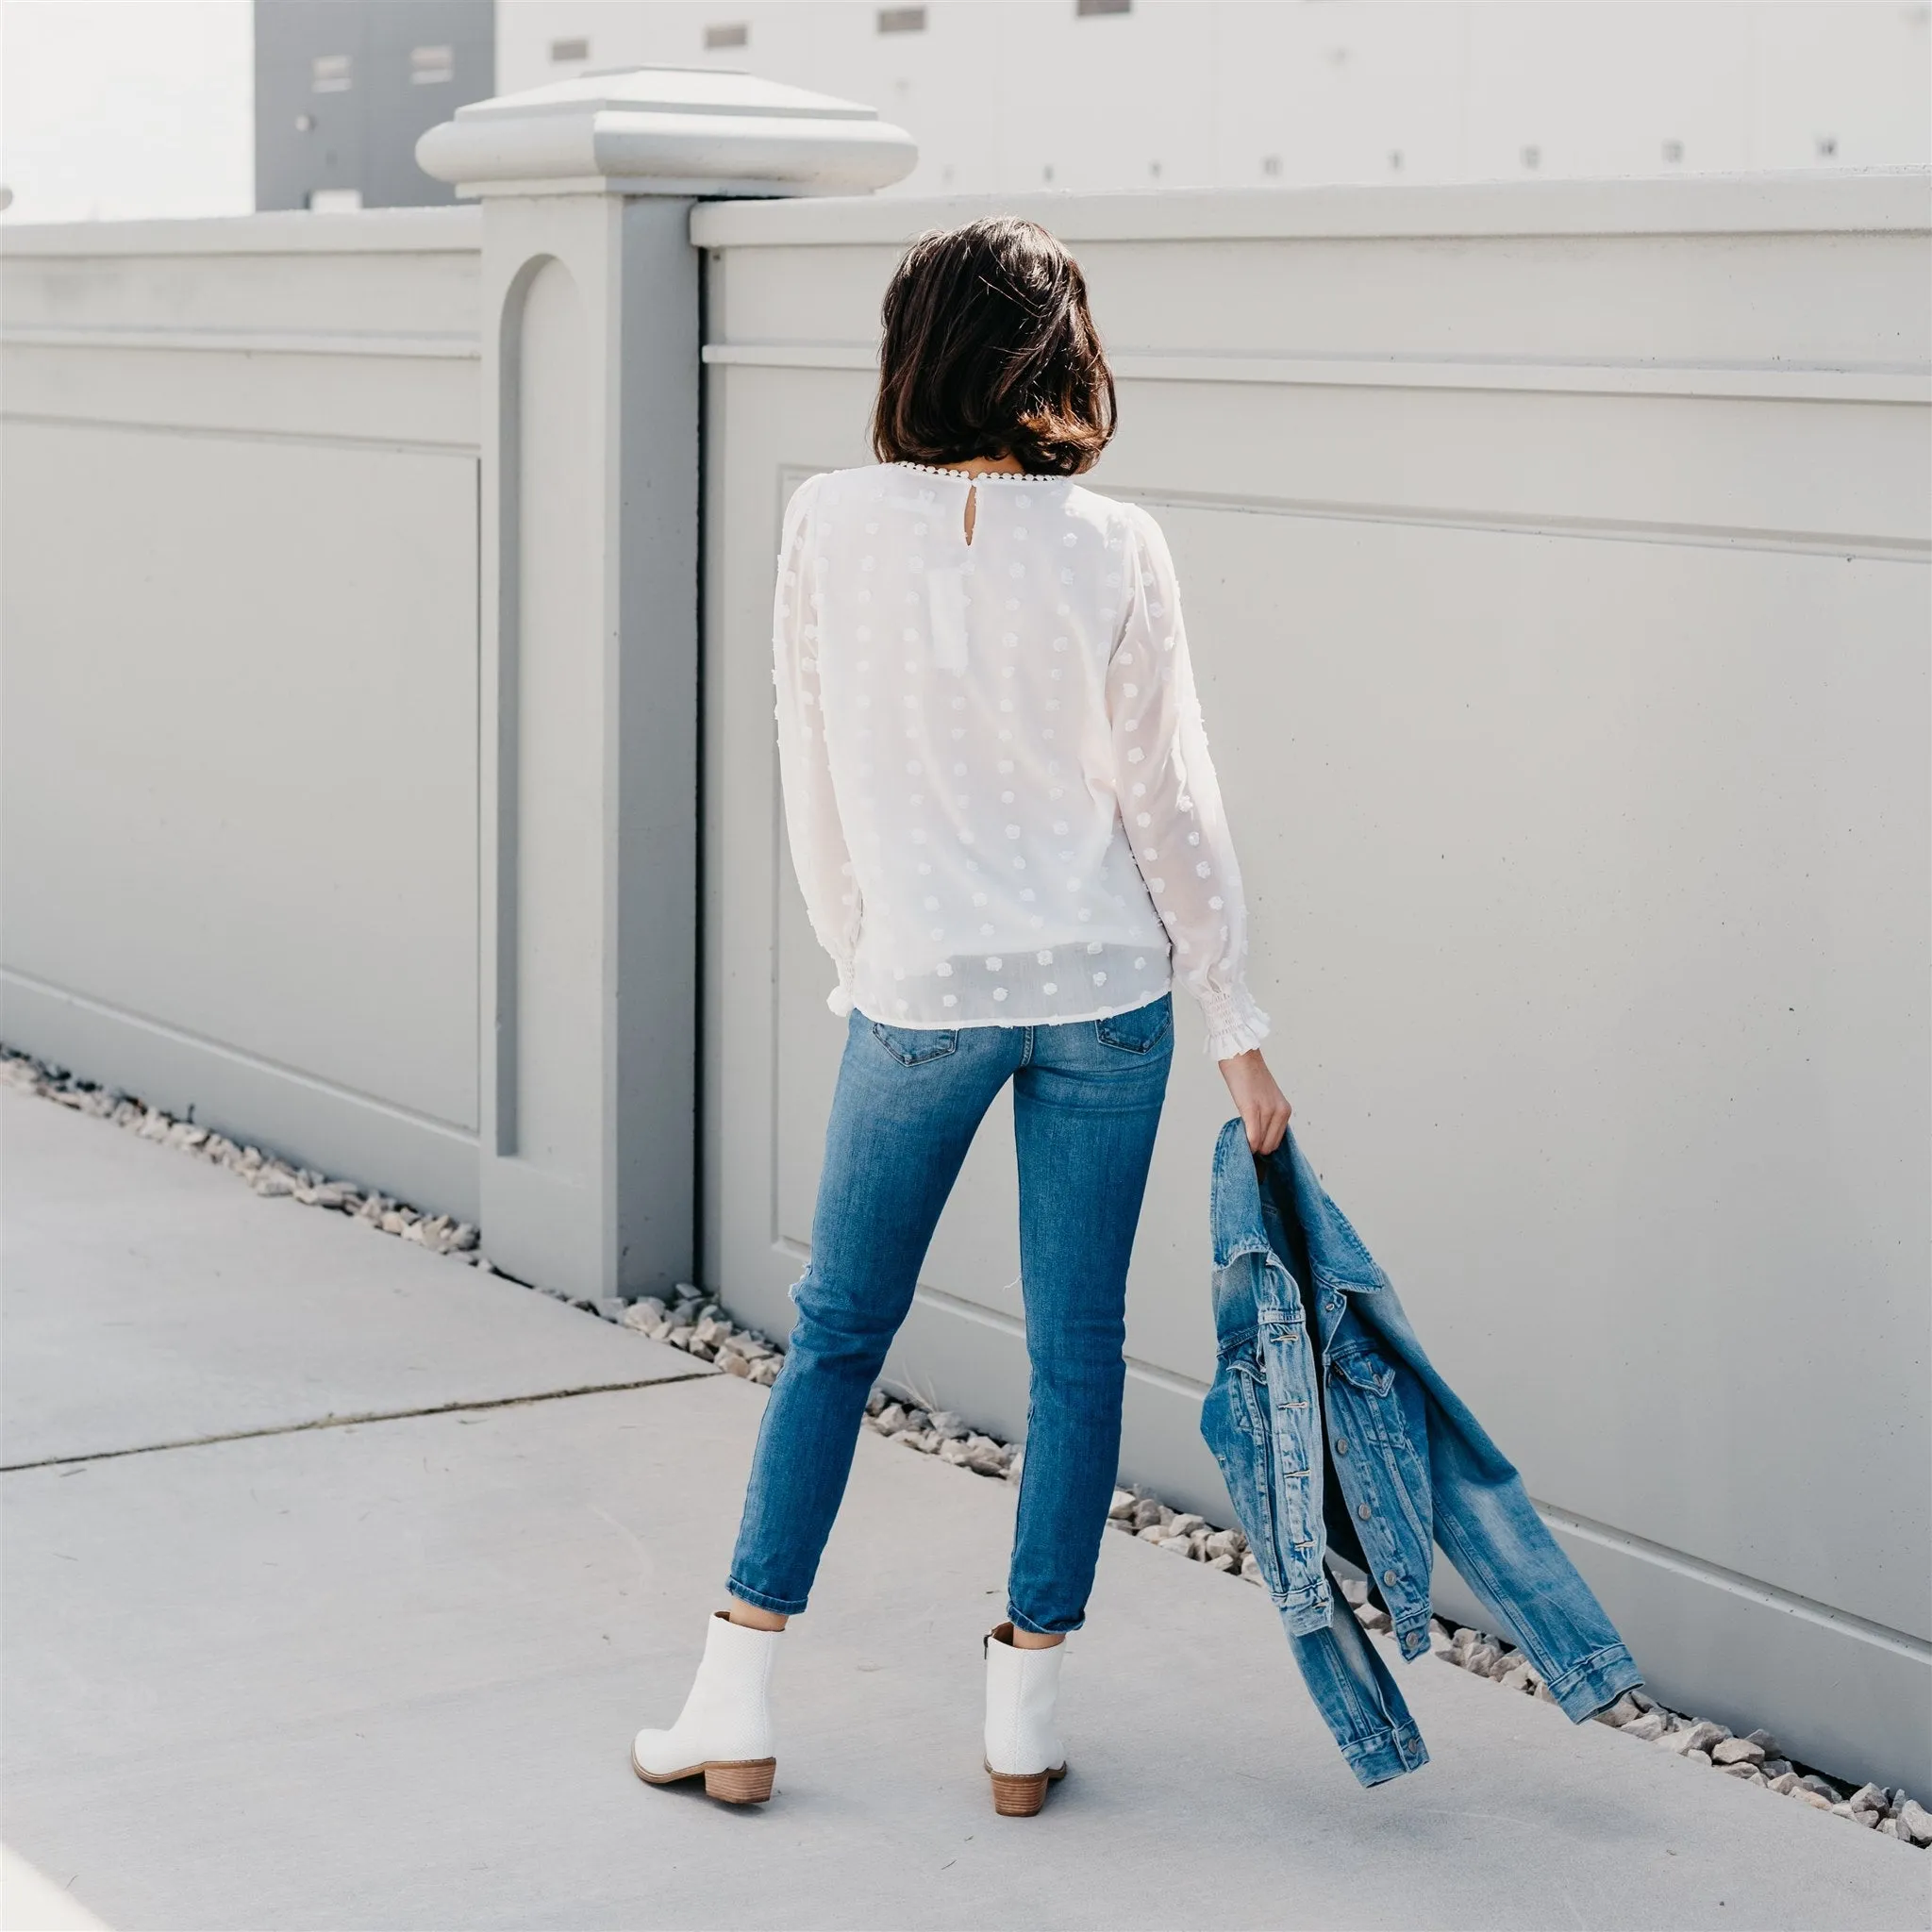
pixel 239 479
pixel 1557 567
pixel 1557 560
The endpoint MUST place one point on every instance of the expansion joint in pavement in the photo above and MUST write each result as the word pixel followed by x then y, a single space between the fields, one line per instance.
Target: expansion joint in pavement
pixel 345 1421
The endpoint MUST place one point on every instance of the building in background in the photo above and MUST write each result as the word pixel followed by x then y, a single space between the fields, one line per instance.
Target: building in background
pixel 343 88
pixel 1097 94
pixel 129 109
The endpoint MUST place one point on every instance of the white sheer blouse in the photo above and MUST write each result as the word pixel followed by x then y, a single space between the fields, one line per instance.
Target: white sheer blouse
pixel 997 790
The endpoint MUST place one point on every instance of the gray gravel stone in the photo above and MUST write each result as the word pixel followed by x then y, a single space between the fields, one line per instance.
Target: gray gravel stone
pixel 1915 1822
pixel 1704 1735
pixel 1648 1728
pixel 1737 1751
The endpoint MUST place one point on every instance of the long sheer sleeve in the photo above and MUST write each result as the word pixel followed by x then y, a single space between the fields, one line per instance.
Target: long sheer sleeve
pixel 818 853
pixel 1170 800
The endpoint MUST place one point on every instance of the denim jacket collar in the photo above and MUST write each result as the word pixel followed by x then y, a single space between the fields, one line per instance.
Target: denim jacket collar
pixel 1335 1254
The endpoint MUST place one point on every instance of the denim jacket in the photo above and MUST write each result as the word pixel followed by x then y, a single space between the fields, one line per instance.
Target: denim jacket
pixel 1336 1435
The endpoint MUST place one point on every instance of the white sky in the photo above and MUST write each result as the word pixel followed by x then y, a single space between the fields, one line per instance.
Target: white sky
pixel 126 108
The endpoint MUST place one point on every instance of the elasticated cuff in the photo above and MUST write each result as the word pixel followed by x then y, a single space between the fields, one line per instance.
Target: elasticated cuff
pixel 1235 1023
pixel 839 998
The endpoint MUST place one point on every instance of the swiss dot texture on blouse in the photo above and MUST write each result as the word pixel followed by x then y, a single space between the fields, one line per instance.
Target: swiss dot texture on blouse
pixel 997 789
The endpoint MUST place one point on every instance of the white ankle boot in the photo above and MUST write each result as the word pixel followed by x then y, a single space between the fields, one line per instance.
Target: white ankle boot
pixel 724 1730
pixel 1023 1740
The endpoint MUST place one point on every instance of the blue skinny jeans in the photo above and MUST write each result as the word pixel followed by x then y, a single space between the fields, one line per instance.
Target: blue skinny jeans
pixel 1087 1099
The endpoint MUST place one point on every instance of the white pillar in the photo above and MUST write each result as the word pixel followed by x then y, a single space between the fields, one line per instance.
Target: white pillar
pixel 589 638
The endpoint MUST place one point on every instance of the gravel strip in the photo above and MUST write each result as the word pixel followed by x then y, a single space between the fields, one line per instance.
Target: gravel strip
pixel 690 1321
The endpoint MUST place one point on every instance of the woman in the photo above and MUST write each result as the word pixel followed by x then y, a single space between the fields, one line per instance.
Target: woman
pixel 1007 830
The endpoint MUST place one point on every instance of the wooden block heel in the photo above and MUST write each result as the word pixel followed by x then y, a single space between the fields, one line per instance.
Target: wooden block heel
pixel 1022 1794
pixel 734 1781
pixel 748 1782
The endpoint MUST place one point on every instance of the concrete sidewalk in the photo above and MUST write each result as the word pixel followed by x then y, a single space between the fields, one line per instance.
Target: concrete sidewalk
pixel 261 1672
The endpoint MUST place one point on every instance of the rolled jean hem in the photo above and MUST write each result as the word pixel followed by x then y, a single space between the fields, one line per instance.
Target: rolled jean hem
pixel 1022 1622
pixel 1385 1755
pixel 779 1606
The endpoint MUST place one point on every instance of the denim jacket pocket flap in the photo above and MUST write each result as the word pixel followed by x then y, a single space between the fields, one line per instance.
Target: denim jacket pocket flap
pixel 1365 1371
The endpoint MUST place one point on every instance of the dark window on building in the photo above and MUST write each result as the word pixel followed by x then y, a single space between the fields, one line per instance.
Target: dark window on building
pixel 731 34
pixel 331 74
pixel 902 20
pixel 570 50
pixel 432 66
pixel 1103 5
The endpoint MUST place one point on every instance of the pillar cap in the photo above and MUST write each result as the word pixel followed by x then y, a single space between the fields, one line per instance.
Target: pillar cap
pixel 667 130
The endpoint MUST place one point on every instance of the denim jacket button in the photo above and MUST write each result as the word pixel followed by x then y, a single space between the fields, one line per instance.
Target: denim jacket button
pixel 1391 1576
pixel 1341 1445
pixel 1363 1510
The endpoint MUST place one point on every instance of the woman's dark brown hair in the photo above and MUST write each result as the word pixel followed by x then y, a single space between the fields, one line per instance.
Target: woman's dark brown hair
pixel 989 350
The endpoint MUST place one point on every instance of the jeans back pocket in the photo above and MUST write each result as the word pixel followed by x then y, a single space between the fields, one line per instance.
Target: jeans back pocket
pixel 913 1045
pixel 1139 1029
